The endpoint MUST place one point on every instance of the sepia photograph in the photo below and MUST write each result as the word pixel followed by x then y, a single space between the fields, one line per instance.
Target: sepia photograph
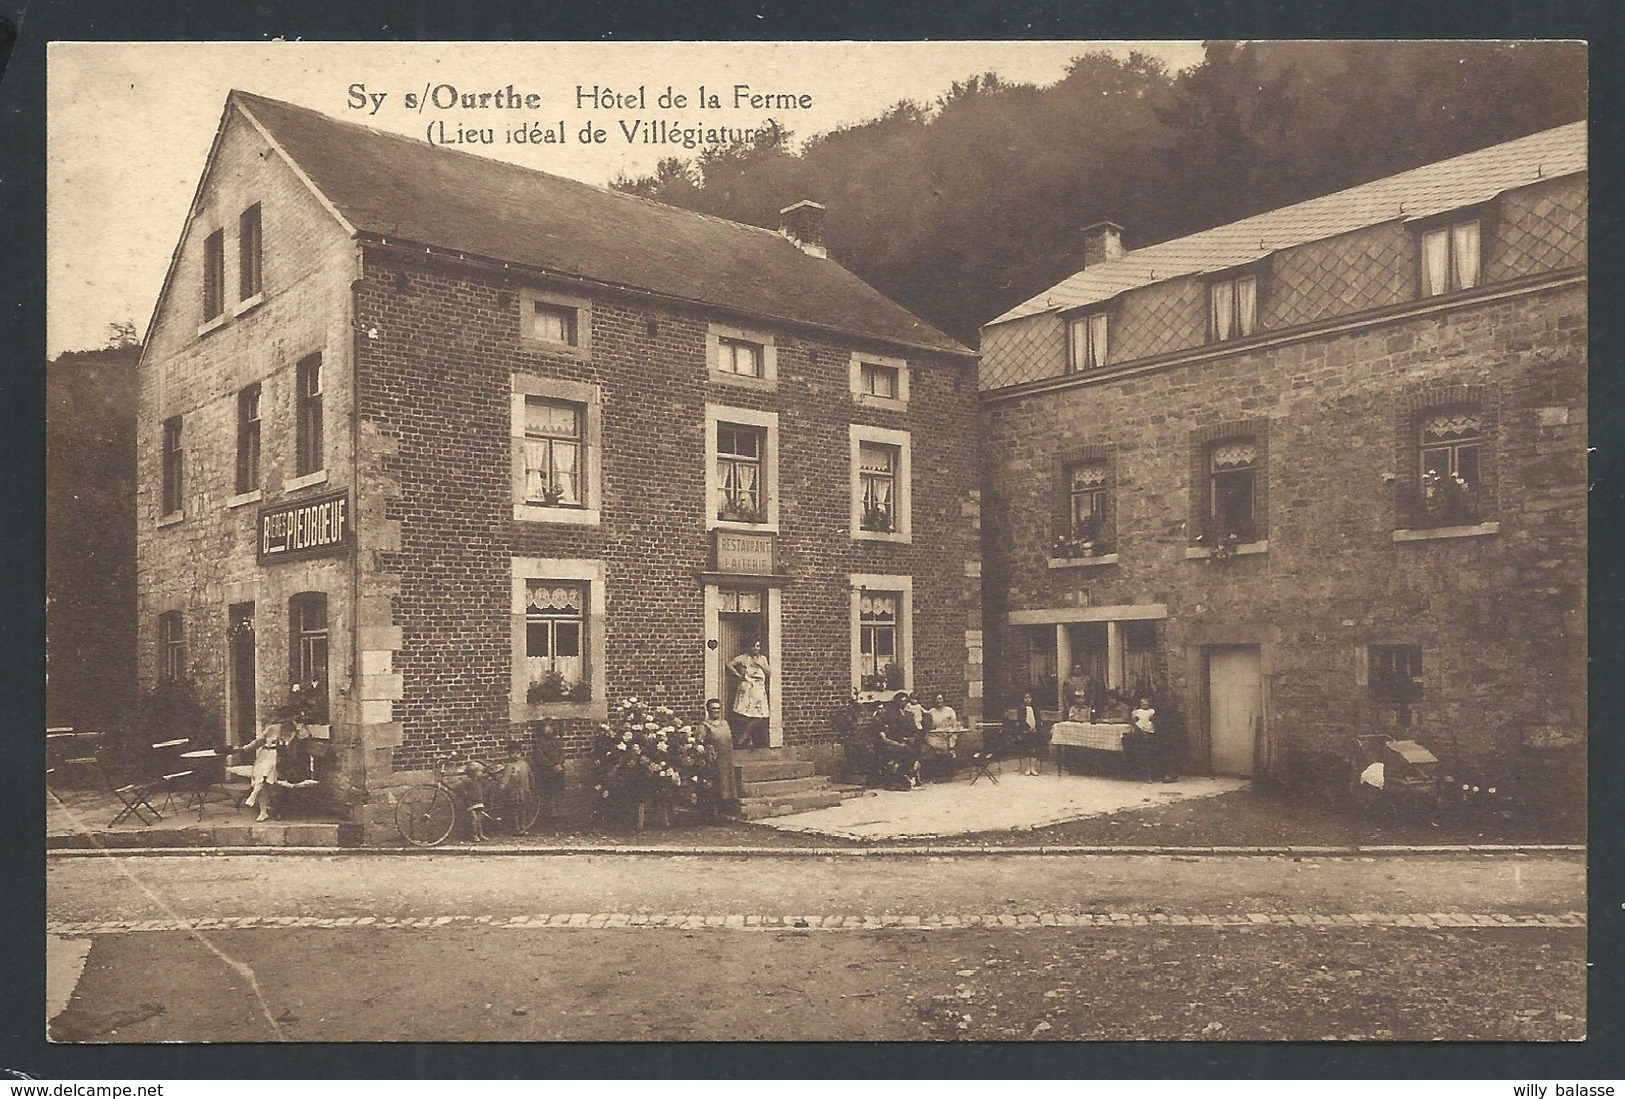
pixel 731 542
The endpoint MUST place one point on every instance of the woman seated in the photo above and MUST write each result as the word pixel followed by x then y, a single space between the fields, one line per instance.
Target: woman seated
pixel 941 745
pixel 896 749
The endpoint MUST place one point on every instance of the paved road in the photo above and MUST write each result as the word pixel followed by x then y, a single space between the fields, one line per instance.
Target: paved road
pixel 377 948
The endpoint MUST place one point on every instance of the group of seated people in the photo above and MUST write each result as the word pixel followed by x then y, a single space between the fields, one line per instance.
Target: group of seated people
pixel 909 739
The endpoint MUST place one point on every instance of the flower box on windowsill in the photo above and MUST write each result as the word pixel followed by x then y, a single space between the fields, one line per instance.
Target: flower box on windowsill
pixel 1081 562
pixel 1428 534
pixel 1240 549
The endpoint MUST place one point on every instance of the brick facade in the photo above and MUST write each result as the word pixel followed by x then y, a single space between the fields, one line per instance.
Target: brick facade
pixel 424 366
pixel 1329 390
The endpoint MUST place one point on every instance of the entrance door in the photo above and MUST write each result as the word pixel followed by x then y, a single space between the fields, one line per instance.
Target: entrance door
pixel 1235 708
pixel 240 654
pixel 741 619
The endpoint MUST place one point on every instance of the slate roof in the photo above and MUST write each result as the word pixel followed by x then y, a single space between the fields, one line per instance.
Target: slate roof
pixel 1421 192
pixel 399 188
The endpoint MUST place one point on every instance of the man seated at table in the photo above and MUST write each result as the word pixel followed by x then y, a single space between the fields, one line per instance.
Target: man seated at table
pixel 895 745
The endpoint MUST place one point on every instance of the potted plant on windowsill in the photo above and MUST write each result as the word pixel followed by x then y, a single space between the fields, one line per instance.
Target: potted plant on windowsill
pixel 1081 539
pixel 1220 547
pixel 1448 500
pixel 553 496
pixel 877 518
pixel 553 687
pixel 733 511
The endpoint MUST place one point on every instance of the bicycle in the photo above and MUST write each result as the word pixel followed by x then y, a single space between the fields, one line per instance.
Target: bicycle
pixel 427 814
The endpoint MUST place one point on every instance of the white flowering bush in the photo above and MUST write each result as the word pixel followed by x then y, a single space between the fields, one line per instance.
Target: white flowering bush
pixel 646 755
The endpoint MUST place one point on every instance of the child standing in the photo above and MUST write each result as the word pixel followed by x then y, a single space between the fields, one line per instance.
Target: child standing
pixel 1144 719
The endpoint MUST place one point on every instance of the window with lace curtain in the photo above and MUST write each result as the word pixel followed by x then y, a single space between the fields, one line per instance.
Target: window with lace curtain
pixel 1086 342
pixel 1449 467
pixel 555 639
pixel 1232 308
pixel 1450 258
pixel 1232 483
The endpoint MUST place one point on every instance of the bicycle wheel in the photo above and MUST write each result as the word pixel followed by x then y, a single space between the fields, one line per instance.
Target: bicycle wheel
pixel 425 815
pixel 527 812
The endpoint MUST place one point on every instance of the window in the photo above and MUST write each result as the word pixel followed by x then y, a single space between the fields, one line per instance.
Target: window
pixel 882 612
pixel 214 274
pixel 1083 528
pixel 555 444
pixel 248 439
pixel 248 253
pixel 171 647
pixel 740 454
pixel 551 323
pixel 740 357
pixel 741 467
pixel 554 430
pixel 310 457
pixel 877 483
pixel 1232 490
pixel 1450 258
pixel 558 639
pixel 1086 342
pixel 878 616
pixel 555 629
pixel 1233 307
pixel 174 463
pixel 879 380
pixel 1394 672
pixel 1450 445
pixel 880 483
pixel 307 653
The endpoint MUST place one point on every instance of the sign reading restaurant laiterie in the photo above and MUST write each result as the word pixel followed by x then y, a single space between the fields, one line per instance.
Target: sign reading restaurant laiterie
pixel 747 554
pixel 310 528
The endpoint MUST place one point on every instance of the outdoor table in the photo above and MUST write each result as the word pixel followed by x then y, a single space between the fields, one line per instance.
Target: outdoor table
pixel 1088 736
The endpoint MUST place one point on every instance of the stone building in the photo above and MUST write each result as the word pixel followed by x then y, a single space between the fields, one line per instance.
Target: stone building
pixel 1319 472
pixel 460 446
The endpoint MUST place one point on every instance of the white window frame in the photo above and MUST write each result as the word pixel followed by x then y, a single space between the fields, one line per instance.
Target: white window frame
pixel 860 393
pixel 858 582
pixel 745 417
pixel 902 519
pixel 716 333
pixel 1077 348
pixel 573 570
pixel 1234 281
pixel 582 324
pixel 556 389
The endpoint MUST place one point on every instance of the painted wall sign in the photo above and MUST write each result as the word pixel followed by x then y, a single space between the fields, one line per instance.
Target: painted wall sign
pixel 310 528
pixel 747 554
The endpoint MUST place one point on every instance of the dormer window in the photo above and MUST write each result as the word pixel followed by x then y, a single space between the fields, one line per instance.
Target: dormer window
pixel 1086 342
pixel 1232 307
pixel 1450 258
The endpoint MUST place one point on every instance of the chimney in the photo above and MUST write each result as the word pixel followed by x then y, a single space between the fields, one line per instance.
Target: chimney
pixel 1102 243
pixel 803 224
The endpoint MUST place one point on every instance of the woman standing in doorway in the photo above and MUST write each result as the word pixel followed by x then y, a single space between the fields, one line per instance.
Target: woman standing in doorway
pixel 750 704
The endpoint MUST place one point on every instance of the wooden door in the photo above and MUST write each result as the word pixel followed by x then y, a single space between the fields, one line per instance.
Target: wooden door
pixel 240 653
pixel 1235 709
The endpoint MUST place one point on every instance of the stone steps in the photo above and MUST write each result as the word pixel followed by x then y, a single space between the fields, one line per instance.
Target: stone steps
pixel 774 787
pixel 770 770
pixel 785 804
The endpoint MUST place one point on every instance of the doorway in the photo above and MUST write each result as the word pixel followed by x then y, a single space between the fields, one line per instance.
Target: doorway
pixel 1235 709
pixel 741 618
pixel 240 659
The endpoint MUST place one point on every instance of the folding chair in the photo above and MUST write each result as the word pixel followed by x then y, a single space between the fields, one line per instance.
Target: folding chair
pixel 176 782
pixel 986 758
pixel 136 798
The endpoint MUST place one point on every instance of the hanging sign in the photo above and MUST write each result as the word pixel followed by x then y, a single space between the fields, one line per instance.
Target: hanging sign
pixel 311 528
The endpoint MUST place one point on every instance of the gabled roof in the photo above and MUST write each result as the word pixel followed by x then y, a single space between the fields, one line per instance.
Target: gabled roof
pixel 402 189
pixel 1421 192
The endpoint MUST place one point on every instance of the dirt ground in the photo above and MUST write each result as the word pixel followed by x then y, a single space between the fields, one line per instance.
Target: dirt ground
pixel 1258 816
pixel 493 985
